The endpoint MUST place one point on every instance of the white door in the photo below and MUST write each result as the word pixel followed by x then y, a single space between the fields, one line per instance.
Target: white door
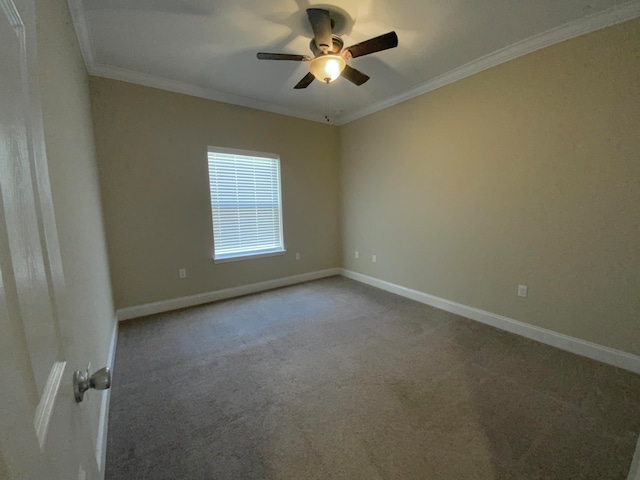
pixel 44 433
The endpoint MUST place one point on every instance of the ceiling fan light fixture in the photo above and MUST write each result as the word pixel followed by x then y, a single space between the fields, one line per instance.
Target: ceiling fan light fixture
pixel 327 68
pixel 330 56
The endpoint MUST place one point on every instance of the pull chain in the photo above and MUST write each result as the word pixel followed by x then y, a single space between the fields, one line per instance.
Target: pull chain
pixel 326 104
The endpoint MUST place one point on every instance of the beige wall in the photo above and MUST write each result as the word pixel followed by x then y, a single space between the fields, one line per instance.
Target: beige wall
pixel 524 174
pixel 528 173
pixel 74 184
pixel 153 169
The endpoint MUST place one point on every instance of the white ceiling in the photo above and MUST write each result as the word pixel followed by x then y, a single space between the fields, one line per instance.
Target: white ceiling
pixel 208 47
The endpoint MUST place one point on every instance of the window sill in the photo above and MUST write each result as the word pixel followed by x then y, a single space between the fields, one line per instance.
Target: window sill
pixel 250 256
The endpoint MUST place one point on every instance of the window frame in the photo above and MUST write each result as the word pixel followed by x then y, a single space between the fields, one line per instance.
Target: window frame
pixel 248 255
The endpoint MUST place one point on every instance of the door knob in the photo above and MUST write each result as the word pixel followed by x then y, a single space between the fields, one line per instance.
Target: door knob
pixel 100 380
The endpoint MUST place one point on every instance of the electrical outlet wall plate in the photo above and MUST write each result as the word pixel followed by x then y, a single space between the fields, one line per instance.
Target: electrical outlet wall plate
pixel 522 291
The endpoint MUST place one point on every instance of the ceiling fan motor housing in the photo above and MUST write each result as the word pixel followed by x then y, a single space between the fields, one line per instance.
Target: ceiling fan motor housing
pixel 337 46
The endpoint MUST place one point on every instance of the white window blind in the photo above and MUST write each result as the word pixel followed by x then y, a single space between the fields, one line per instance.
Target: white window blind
pixel 245 203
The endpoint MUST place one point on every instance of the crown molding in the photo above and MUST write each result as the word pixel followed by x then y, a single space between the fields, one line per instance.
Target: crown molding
pixel 76 10
pixel 588 24
pixel 591 23
pixel 116 73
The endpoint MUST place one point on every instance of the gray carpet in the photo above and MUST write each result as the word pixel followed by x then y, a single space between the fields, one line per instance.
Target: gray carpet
pixel 333 379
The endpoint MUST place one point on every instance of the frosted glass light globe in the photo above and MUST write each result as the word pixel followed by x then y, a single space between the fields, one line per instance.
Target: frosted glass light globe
pixel 327 68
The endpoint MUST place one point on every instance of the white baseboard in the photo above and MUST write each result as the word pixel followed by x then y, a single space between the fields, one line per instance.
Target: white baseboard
pixel 578 346
pixel 591 350
pixel 190 301
pixel 103 423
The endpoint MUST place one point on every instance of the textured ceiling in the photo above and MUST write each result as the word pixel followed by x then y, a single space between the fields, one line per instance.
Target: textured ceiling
pixel 208 47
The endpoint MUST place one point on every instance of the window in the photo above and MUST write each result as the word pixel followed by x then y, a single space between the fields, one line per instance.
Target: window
pixel 245 203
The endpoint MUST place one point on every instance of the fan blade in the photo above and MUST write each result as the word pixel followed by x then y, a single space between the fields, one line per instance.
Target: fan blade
pixel 305 82
pixel 373 45
pixel 354 76
pixel 283 56
pixel 321 25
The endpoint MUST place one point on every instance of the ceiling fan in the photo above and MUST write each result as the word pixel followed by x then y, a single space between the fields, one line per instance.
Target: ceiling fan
pixel 329 58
